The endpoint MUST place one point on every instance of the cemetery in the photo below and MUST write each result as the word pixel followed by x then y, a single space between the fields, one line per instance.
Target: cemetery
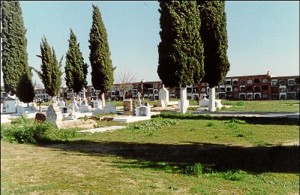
pixel 93 130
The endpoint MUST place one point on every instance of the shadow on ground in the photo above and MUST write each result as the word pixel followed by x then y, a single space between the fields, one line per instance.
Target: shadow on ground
pixel 279 159
pixel 248 119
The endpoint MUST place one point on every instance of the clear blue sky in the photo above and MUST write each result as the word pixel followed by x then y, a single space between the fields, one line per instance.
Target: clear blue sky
pixel 262 36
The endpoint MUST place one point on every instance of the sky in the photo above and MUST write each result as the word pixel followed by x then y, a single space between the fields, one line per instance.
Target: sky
pixel 262 36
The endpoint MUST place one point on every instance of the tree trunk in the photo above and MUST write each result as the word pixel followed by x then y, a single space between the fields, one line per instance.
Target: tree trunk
pixel 103 99
pixel 212 98
pixel 183 100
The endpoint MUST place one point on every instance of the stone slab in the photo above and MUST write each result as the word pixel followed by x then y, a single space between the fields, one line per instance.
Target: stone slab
pixel 131 119
pixel 102 129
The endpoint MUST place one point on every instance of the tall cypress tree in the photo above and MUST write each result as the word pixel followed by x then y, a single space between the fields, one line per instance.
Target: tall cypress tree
pixel 50 69
pixel 25 89
pixel 102 68
pixel 214 36
pixel 180 50
pixel 75 69
pixel 14 43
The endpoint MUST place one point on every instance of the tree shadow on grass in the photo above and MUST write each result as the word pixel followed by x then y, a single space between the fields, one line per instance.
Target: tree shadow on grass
pixel 250 120
pixel 277 159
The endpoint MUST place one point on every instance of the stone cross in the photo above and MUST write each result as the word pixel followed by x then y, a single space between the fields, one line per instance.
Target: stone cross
pixel 139 99
pixel 84 100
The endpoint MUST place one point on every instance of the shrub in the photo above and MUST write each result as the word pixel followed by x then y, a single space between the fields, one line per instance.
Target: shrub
pixel 37 133
pixel 197 170
pixel 154 124
pixel 233 175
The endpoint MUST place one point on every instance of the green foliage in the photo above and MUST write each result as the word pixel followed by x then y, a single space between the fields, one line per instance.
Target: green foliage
pixel 14 43
pixel 234 175
pixel 196 170
pixel 180 51
pixel 214 36
pixel 25 89
pixel 50 69
pixel 75 69
pixel 154 124
pixel 236 121
pixel 101 64
pixel 24 132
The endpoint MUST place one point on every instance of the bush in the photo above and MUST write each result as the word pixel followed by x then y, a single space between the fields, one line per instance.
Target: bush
pixel 37 133
pixel 154 124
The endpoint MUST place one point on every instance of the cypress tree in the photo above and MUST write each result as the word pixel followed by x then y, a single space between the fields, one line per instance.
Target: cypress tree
pixel 25 89
pixel 75 69
pixel 102 68
pixel 14 43
pixel 180 50
pixel 50 69
pixel 214 36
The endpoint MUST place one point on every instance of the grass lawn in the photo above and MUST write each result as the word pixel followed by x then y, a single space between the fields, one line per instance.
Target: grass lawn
pixel 170 154
pixel 262 105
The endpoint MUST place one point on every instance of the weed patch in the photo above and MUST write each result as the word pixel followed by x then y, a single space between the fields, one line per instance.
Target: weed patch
pixel 154 124
pixel 36 133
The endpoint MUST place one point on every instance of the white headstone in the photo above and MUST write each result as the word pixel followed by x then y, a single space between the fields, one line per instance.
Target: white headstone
pixel 164 95
pixel 61 103
pixel 143 111
pixel 139 99
pixel 84 100
pixel 109 108
pixel 9 105
pixel 54 114
pixel 218 104
pixel 204 102
pixel 73 106
pixel 183 103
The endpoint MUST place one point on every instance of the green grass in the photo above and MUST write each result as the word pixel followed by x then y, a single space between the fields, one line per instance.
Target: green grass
pixel 262 105
pixel 172 153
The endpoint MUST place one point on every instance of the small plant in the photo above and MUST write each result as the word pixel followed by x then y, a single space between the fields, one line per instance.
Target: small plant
pixel 197 170
pixel 234 175
pixel 240 103
pixel 154 124
pixel 210 124
pixel 236 121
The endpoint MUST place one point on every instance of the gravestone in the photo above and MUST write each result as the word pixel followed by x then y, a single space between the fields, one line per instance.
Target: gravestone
pixel 84 107
pixel 143 111
pixel 109 108
pixel 139 99
pixel 204 102
pixel 183 103
pixel 163 96
pixel 54 114
pixel 98 105
pixel 218 104
pixel 61 103
pixel 73 106
pixel 9 105
pixel 128 109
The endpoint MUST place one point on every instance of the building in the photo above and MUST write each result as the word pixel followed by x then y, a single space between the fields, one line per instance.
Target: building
pixel 257 87
pixel 249 87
